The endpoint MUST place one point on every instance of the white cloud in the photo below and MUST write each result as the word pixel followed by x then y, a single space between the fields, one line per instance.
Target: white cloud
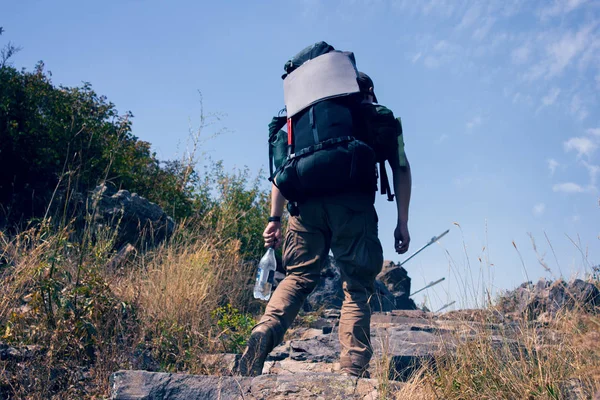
pixel 431 62
pixel 593 131
pixel 471 16
pixel 568 187
pixel 560 7
pixel 538 209
pixel 552 165
pixel 521 55
pixel 474 123
pixel 551 97
pixel 582 145
pixel 594 171
pixel 562 52
pixel 416 57
pixel 561 49
pixel 577 109
pixel 483 30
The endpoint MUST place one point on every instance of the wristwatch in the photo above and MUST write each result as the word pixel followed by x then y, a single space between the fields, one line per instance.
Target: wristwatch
pixel 274 219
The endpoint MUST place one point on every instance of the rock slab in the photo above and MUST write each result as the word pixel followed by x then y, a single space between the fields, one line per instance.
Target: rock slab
pixel 142 385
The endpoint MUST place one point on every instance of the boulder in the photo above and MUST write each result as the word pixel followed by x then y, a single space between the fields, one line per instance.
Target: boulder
pixel 396 280
pixel 392 288
pixel 129 385
pixel 550 297
pixel 135 219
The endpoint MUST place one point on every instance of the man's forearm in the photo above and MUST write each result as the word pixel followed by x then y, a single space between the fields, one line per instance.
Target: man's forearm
pixel 402 187
pixel 277 202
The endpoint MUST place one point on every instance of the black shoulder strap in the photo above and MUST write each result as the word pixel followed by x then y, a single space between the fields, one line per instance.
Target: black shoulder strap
pixel 385 182
pixel 276 124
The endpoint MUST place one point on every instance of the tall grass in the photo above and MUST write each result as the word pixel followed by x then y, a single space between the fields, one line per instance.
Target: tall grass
pixel 556 356
pixel 160 310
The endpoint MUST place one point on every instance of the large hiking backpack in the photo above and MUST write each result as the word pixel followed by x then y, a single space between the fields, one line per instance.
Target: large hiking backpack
pixel 326 152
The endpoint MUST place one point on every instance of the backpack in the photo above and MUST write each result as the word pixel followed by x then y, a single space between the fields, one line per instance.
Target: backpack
pixel 383 133
pixel 326 151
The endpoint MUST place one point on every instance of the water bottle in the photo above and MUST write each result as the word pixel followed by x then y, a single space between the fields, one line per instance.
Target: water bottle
pixel 265 275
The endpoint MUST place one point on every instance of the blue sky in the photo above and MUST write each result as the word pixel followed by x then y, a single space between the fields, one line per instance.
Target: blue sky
pixel 499 102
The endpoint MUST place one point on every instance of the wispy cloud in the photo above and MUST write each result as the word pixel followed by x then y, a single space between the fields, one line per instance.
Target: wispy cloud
pixel 593 131
pixel 470 17
pixel 577 108
pixel 416 57
pixel 538 209
pixel 521 54
pixel 562 52
pixel 474 123
pixel 594 171
pixel 560 7
pixel 568 187
pixel 441 139
pixel 551 97
pixel 552 165
pixel 582 145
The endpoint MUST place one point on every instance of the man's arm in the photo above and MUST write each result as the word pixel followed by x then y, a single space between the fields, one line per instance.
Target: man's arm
pixel 402 188
pixel 272 233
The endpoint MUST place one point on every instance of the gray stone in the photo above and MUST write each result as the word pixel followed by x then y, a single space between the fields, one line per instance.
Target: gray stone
pixel 390 294
pixel 550 297
pixel 141 385
pixel 136 220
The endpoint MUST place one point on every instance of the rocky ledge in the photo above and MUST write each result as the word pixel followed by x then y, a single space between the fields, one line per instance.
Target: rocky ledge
pixel 138 385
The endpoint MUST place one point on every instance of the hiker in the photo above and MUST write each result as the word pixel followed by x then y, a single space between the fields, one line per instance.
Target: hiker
pixel 343 221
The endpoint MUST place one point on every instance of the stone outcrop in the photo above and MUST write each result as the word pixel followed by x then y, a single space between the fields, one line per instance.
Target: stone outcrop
pixel 136 220
pixel 396 280
pixel 550 297
pixel 392 289
pixel 130 385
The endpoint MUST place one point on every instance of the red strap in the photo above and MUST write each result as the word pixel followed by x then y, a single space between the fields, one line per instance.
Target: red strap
pixel 289 131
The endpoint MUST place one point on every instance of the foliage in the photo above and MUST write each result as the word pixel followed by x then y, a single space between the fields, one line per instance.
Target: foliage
pixel 234 210
pixel 235 327
pixel 71 139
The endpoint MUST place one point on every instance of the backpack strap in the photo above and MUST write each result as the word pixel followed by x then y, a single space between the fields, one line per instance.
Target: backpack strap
pixel 276 124
pixel 385 182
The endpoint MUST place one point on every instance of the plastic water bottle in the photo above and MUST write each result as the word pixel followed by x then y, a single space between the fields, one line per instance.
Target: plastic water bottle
pixel 265 275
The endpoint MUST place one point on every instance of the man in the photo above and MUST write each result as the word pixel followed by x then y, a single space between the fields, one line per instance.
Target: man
pixel 346 224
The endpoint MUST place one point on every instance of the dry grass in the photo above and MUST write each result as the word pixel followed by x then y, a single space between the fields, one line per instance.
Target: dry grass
pixel 159 311
pixel 558 358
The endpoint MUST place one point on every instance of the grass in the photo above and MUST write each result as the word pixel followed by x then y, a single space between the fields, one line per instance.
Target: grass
pixel 161 310
pixel 164 309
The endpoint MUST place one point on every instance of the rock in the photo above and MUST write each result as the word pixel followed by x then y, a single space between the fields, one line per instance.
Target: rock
pixel 18 354
pixel 546 297
pixel 329 292
pixel 392 289
pixel 396 280
pixel 130 385
pixel 136 220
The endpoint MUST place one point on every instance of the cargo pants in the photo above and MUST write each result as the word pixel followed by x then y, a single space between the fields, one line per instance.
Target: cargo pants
pixel 346 225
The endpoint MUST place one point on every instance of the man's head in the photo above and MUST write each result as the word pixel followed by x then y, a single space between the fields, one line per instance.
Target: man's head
pixel 365 83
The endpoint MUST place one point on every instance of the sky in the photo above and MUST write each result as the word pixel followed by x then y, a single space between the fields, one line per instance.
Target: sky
pixel 499 102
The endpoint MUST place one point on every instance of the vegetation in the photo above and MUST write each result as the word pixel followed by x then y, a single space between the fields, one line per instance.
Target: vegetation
pixel 74 313
pixel 76 317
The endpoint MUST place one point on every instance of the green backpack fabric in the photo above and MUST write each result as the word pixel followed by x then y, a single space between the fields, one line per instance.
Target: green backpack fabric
pixel 383 135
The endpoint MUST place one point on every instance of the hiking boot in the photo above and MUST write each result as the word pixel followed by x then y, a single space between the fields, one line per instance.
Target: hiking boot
pixel 258 348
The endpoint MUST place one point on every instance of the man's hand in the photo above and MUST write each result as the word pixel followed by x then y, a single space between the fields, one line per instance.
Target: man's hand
pixel 401 238
pixel 272 235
